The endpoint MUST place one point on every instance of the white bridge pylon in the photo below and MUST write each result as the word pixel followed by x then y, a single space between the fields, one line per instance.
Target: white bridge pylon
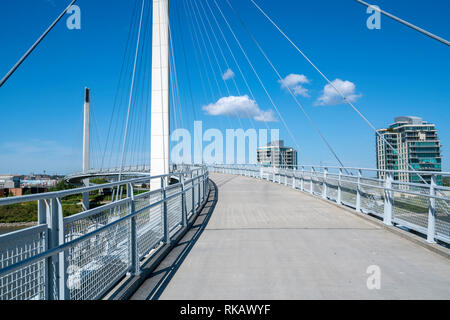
pixel 160 124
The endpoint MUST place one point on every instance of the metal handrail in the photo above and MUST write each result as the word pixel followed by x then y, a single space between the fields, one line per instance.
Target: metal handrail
pixel 72 243
pixel 437 202
pixel 54 232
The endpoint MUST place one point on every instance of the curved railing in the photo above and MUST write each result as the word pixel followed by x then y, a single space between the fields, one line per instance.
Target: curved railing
pixel 423 208
pixel 81 257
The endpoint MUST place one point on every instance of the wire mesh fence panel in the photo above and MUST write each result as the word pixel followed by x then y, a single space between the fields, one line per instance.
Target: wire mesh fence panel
pixel 289 178
pixel 96 264
pixel 307 181
pixel 189 192
pixel 411 209
pixel 149 224
pixel 317 185
pixel 174 208
pixel 201 189
pixel 348 190
pixel 27 283
pixel 295 179
pixel 196 187
pixel 75 227
pixel 332 186
pixel 443 214
pixel 372 196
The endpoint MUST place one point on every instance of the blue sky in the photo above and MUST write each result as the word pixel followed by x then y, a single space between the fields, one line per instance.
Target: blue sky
pixel 395 70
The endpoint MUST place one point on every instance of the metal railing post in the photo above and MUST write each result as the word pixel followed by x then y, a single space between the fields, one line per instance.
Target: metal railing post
pixel 183 204
pixel 302 180
pixel 388 200
pixel 56 266
pixel 193 194
pixel 273 174
pixel 166 237
pixel 431 230
pixel 198 198
pixel 339 191
pixel 53 241
pixel 325 185
pixel 294 178
pixel 358 192
pixel 311 187
pixel 204 186
pixel 64 293
pixel 134 250
pixel 42 219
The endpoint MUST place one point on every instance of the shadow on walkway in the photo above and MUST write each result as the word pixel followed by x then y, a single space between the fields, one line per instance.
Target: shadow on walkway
pixel 155 285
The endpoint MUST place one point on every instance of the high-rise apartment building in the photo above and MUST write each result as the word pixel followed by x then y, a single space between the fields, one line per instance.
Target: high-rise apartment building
pixel 417 147
pixel 275 154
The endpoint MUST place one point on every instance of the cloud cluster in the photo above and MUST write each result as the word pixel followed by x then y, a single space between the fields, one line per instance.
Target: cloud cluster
pixel 295 83
pixel 229 74
pixel 239 106
pixel 331 97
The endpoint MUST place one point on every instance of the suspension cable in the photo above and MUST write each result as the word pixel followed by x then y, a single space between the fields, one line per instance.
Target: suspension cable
pixel 21 60
pixel 406 23
pixel 257 76
pixel 131 91
pixel 289 89
pixel 335 88
pixel 226 64
pixel 197 30
pixel 235 114
pixel 266 124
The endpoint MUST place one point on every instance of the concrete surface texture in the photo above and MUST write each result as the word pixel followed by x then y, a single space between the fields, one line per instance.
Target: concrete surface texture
pixel 268 241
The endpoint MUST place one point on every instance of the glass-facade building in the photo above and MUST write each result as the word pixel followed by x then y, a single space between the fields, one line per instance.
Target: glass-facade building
pixel 416 147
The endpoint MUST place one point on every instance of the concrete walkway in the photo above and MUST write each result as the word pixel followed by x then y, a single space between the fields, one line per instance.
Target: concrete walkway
pixel 267 241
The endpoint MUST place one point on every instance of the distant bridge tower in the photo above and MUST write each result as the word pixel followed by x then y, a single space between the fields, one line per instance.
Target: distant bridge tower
pixel 160 130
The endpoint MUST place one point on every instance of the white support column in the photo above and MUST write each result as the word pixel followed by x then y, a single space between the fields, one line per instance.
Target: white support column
pixel 160 130
pixel 86 143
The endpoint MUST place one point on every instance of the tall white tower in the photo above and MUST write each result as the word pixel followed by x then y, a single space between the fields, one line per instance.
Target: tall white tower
pixel 160 130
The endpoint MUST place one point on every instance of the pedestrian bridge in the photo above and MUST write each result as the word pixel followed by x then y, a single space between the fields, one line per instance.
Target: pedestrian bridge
pixel 236 233
pixel 269 241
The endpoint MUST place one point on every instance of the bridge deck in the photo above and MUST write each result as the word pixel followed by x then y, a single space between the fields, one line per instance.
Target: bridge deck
pixel 267 241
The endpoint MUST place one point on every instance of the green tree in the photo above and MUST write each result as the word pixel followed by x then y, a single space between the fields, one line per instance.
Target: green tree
pixel 446 181
pixel 61 185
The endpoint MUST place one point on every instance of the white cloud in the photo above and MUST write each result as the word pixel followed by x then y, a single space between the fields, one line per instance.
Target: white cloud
pixel 294 82
pixel 331 97
pixel 241 106
pixel 228 75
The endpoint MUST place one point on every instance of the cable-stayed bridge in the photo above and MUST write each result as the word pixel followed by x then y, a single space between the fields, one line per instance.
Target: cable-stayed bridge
pixel 203 231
